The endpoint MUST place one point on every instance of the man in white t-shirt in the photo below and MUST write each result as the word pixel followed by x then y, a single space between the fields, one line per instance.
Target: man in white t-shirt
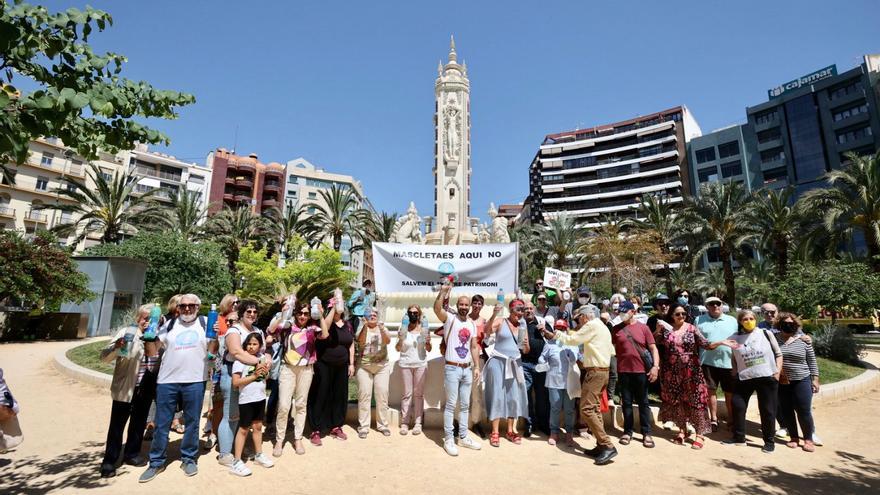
pixel 182 377
pixel 461 370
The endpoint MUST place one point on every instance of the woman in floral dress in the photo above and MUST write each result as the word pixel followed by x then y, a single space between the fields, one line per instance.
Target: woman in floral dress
pixel 683 391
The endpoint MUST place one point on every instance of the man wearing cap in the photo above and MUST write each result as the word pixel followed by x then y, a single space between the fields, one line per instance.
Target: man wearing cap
pixel 630 338
pixel 717 365
pixel 536 391
pixel 539 289
pixel 596 339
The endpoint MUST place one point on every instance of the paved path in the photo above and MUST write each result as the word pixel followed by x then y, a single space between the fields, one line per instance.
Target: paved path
pixel 65 422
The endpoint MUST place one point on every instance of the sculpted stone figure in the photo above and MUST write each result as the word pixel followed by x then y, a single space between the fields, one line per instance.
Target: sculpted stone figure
pixel 499 226
pixel 408 228
pixel 484 237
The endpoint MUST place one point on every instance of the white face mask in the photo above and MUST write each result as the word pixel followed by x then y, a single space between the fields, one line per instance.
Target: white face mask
pixel 615 306
pixel 583 300
pixel 188 318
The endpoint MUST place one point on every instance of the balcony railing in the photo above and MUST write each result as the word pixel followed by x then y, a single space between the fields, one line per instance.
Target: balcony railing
pixel 36 216
pixel 7 212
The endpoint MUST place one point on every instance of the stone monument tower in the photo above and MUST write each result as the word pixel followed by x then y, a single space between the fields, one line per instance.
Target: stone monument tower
pixel 452 156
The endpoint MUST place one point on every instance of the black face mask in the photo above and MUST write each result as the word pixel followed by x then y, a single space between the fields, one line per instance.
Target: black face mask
pixel 413 316
pixel 788 326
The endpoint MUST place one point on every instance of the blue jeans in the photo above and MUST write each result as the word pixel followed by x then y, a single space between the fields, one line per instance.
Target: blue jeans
pixel 458 383
pixel 167 394
pixel 797 397
pixel 560 401
pixel 539 401
pixel 229 423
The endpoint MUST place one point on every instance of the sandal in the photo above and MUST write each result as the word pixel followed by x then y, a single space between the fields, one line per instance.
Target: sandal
pixel 698 443
pixel 648 442
pixel 513 437
pixel 493 439
pixel 625 439
pixel 179 428
pixel 714 425
pixel 679 439
pixel 792 445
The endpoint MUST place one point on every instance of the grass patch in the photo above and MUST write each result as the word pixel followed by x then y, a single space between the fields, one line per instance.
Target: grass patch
pixel 89 356
pixel 835 371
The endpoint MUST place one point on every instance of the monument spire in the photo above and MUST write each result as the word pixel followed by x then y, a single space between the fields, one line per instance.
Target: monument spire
pixel 452 56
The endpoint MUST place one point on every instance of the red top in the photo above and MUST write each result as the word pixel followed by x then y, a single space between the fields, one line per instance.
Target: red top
pixel 628 358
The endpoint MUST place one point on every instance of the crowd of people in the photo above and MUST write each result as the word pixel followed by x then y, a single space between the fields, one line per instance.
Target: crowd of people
pixel 549 364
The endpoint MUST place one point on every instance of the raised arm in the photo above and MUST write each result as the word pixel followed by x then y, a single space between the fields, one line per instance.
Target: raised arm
pixel 493 324
pixel 439 310
pixel 326 322
pixel 108 353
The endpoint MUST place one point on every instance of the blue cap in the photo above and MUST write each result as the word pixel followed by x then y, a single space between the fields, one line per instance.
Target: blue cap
pixel 625 306
pixel 583 290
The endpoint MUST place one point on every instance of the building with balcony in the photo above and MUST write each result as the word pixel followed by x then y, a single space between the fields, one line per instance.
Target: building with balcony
pixel 243 180
pixel 36 180
pixel 166 175
pixel 590 174
pixel 303 185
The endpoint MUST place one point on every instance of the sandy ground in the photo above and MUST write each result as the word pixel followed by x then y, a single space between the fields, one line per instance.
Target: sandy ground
pixel 65 423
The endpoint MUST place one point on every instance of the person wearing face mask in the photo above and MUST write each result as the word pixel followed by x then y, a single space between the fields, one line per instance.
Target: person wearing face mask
pixel 799 381
pixel 683 297
pixel 757 363
pixel 461 370
pixel 182 376
pixel 717 365
pixel 413 346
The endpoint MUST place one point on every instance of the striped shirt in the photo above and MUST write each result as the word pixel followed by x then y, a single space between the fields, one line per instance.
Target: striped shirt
pixel 149 363
pixel 798 359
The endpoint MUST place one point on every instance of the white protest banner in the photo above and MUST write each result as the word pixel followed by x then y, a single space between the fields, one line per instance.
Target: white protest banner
pixel 556 279
pixel 480 268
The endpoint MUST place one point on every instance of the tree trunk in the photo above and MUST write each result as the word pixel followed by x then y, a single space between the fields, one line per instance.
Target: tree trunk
pixel 729 282
pixel 667 279
pixel 780 245
pixel 337 242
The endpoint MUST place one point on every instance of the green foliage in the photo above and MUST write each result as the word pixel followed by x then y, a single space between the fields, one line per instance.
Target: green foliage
pixel 80 96
pixel 308 272
pixel 834 285
pixel 234 229
pixel 838 344
pixel 175 265
pixel 38 271
pixel 338 216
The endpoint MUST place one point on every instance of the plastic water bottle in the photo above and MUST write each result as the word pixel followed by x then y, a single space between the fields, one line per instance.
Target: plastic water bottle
pixel 212 319
pixel 404 326
pixel 153 328
pixel 337 294
pixel 315 303
pixel 426 330
pixel 500 296
pixel 127 338
pixel 288 313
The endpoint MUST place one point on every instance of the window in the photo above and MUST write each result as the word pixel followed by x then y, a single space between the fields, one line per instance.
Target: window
pixel 707 174
pixel 775 174
pixel 849 135
pixel 291 179
pixel 579 162
pixel 727 150
pixel 731 169
pixel 651 150
pixel 553 178
pixel 106 175
pixel 46 160
pixel 840 92
pixel 705 155
pixel 313 195
pixel 196 179
pixel 849 112
pixel 291 193
pixel 42 184
pixel 311 210
pixel 772 155
pixel 69 186
pixel 765 117
pixel 769 135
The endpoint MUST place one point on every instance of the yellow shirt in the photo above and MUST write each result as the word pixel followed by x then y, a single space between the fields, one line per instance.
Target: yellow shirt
pixel 596 339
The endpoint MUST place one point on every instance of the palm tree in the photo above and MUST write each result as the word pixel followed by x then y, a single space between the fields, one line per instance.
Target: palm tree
pixel 560 240
pixel 107 207
pixel 778 220
pixel 532 260
pixel 284 226
pixel 852 203
pixel 711 282
pixel 338 216
pixel 667 227
pixel 186 215
pixel 234 229
pixel 383 227
pixel 718 217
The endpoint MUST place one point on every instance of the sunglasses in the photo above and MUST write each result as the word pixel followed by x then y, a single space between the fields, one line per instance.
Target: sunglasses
pixel 251 312
pixel 713 304
pixel 235 302
pixel 769 312
pixel 304 313
pixel 679 313
pixel 187 306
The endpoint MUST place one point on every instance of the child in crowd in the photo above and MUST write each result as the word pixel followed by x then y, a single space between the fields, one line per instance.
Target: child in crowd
pixel 251 407
pixel 562 381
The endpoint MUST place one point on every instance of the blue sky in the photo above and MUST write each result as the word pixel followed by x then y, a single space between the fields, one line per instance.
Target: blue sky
pixel 349 85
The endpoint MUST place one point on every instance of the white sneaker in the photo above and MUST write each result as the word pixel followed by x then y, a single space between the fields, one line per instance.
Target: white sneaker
pixel 669 425
pixel 264 461
pixel 782 434
pixel 469 443
pixel 226 460
pixel 239 469
pixel 449 446
pixel 816 441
